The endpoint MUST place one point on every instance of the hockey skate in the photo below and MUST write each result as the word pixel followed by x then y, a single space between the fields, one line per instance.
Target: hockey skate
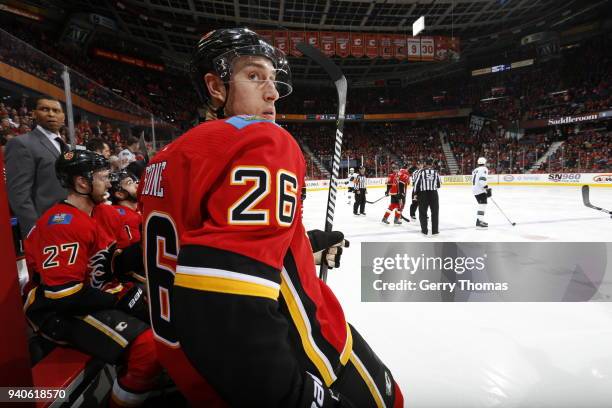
pixel 481 224
pixel 385 220
pixel 397 221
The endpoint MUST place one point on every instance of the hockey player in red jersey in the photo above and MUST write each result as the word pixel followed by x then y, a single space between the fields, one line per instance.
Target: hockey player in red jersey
pixel 71 255
pixel 239 315
pixel 393 190
pixel 124 188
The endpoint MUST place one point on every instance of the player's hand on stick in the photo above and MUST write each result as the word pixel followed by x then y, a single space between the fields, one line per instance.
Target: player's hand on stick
pixel 327 247
pixel 489 191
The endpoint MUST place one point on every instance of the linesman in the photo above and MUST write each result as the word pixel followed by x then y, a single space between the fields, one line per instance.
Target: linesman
pixel 359 188
pixel 426 187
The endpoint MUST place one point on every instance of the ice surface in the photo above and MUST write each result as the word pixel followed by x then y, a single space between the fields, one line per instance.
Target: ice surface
pixel 484 354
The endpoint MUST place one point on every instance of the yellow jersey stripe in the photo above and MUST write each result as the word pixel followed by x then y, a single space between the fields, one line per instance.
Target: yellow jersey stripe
pixel 64 292
pixel 119 339
pixel 368 380
pixel 300 319
pixel 225 285
pixel 348 346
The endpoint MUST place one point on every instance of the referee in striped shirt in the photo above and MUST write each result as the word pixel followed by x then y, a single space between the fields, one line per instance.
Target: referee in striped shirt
pixel 414 171
pixel 426 187
pixel 359 188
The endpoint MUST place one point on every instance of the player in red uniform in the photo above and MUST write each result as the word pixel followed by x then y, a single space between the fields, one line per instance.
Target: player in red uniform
pixel 240 317
pixel 393 190
pixel 124 188
pixel 70 254
pixel 403 177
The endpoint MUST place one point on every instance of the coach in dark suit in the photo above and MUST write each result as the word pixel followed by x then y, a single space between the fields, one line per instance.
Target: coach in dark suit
pixel 30 165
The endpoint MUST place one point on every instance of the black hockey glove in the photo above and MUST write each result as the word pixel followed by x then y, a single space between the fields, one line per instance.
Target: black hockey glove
pixel 129 260
pixel 131 299
pixel 327 247
pixel 387 192
pixel 350 189
pixel 489 191
pixel 101 266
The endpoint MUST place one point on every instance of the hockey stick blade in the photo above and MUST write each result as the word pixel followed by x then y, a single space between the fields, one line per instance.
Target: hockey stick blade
pixel 587 201
pixel 339 80
pixel 325 62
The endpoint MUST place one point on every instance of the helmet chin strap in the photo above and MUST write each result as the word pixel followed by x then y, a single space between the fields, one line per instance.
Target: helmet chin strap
pixel 89 193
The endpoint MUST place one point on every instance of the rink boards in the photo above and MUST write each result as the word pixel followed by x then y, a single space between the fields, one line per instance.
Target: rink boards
pixel 543 179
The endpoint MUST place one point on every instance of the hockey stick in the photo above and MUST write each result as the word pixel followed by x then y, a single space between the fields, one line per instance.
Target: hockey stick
pixel 339 80
pixel 502 211
pixel 587 201
pixel 375 201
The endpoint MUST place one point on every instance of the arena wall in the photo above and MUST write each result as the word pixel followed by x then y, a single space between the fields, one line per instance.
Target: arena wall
pixel 544 179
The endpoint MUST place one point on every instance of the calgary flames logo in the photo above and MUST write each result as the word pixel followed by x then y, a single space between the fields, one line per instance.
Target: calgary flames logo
pixel 68 155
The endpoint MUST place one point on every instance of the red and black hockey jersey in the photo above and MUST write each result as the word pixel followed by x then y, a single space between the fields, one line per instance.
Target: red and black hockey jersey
pixel 220 208
pixel 112 224
pixel 132 221
pixel 392 183
pixel 61 244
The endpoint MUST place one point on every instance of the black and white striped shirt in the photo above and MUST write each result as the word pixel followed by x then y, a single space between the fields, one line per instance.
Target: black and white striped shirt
pixel 427 180
pixel 359 182
pixel 415 174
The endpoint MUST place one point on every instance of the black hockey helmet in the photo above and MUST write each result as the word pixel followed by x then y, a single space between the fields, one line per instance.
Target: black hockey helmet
pixel 216 50
pixel 78 163
pixel 116 178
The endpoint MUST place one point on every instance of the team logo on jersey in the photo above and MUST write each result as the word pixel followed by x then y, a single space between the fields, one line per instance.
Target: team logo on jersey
pixel 121 211
pixel 62 218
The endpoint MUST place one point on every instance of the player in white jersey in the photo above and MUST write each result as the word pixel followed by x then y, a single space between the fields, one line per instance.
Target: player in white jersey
pixel 481 190
pixel 351 185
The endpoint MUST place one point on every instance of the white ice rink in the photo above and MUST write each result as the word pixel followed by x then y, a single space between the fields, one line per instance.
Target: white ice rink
pixel 484 354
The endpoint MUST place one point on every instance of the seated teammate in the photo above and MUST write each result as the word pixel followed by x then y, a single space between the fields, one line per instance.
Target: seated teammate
pixel 72 305
pixel 124 187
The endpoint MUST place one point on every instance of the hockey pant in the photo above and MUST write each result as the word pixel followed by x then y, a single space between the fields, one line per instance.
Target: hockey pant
pixel 365 381
pixel 110 335
pixel 397 205
pixel 360 201
pixel 482 206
